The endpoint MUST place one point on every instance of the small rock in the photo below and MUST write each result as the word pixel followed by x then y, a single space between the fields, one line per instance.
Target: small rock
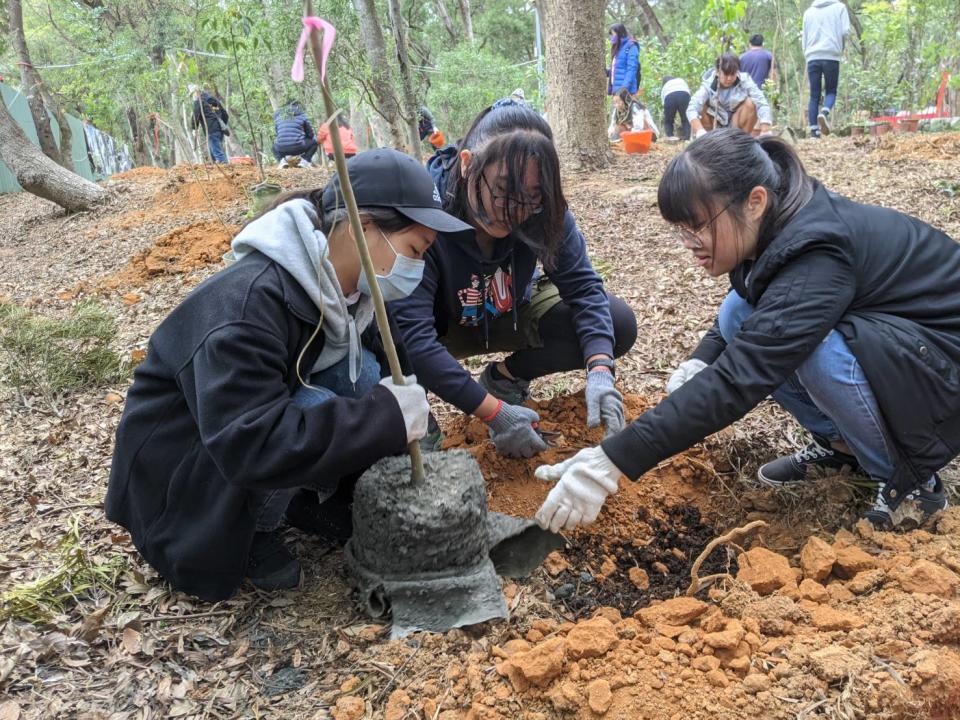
pixel 591 638
pixel 705 663
pixel 927 577
pixel 349 707
pixel 852 560
pixel 817 559
pixel 866 581
pixel 717 678
pixel 835 662
pixel 660 568
pixel 564 591
pixel 828 618
pixel 676 611
pixel 599 696
pixel 728 638
pixel 740 665
pixel 398 704
pixel 813 591
pixel 586 577
pixel 555 563
pixel 543 663
pixel 838 592
pixel 607 568
pixel 765 571
pixel 639 578
pixel 670 631
pixel 755 683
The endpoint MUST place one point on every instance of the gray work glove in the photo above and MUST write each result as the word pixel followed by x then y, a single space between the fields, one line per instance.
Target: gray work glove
pixel 513 433
pixel 604 402
pixel 412 400
pixel 686 370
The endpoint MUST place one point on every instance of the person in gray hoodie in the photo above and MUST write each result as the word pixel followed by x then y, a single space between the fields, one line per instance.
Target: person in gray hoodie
pixel 825 25
pixel 728 98
pixel 266 392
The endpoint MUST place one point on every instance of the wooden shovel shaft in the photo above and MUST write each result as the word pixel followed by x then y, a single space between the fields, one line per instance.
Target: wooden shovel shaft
pixel 383 322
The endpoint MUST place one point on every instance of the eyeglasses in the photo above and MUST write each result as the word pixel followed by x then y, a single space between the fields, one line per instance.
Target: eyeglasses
pixel 504 201
pixel 691 238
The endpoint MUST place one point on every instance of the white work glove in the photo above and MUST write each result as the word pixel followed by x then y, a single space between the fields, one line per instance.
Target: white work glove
pixel 686 370
pixel 699 133
pixel 583 483
pixel 412 400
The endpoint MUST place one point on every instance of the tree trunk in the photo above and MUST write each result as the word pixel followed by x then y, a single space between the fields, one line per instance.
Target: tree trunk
pixel 652 23
pixel 140 156
pixel 467 20
pixel 40 175
pixel 576 87
pixel 30 80
pixel 376 48
pixel 406 77
pixel 441 6
pixel 66 134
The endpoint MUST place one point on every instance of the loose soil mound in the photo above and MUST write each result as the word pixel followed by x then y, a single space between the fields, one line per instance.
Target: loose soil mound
pixel 922 146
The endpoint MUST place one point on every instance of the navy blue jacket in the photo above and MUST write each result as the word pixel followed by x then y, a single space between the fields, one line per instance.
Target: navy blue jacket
pixel 460 286
pixel 292 127
pixel 623 72
pixel 887 282
pixel 209 115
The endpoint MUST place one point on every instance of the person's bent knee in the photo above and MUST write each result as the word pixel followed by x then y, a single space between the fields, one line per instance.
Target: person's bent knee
pixel 624 326
pixel 733 311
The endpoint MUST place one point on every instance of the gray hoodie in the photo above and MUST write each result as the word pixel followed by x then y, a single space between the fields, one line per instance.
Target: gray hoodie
pixel 288 235
pixel 825 24
pixel 722 102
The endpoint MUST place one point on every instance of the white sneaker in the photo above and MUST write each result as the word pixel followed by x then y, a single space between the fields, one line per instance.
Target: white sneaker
pixel 823 121
pixel 283 164
pixel 305 163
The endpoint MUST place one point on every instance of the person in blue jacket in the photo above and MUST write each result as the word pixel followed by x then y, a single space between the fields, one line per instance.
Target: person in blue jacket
pixel 482 292
pixel 295 135
pixel 624 70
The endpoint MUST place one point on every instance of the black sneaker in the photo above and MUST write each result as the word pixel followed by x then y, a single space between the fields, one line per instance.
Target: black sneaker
pixel 513 392
pixel 823 121
pixel 791 469
pixel 271 565
pixel 329 521
pixel 913 511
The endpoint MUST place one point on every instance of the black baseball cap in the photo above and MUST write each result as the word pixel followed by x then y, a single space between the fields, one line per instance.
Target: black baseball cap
pixel 389 178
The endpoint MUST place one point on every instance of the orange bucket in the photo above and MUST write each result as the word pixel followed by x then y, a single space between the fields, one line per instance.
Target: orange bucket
pixel 241 160
pixel 637 142
pixel 436 139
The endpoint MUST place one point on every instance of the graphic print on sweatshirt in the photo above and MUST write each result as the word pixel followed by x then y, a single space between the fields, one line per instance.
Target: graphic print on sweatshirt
pixel 493 294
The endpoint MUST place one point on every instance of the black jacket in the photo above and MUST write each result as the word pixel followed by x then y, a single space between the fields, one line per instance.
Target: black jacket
pixel 889 283
pixel 209 419
pixel 210 115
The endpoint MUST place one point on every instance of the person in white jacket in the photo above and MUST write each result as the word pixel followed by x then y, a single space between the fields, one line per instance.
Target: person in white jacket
pixel 728 98
pixel 825 25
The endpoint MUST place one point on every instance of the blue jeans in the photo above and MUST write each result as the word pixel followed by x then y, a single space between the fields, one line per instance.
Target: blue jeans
pixel 830 72
pixel 215 145
pixel 829 395
pixel 269 506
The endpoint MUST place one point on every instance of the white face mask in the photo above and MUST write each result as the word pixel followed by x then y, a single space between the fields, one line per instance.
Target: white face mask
pixel 401 281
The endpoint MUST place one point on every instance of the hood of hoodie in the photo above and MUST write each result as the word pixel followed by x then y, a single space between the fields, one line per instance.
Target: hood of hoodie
pixel 824 3
pixel 288 235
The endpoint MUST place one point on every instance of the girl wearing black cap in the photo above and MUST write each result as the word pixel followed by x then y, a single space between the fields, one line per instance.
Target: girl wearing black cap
pixel 847 314
pixel 482 291
pixel 266 381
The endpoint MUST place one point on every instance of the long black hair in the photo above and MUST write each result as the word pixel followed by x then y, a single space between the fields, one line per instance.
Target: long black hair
pixel 512 134
pixel 620 30
pixel 723 167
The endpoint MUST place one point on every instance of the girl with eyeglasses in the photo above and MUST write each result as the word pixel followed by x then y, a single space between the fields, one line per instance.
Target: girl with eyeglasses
pixel 848 315
pixel 482 290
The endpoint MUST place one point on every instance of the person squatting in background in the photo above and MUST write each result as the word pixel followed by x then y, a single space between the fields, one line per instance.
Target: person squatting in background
pixel 294 134
pixel 266 392
pixel 210 116
pixel 728 98
pixel 482 291
pixel 675 96
pixel 826 24
pixel 629 115
pixel 347 139
pixel 848 315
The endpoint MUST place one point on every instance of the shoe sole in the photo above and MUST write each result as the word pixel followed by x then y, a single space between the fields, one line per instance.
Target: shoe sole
pixel 910 515
pixel 823 124
pixel 285 578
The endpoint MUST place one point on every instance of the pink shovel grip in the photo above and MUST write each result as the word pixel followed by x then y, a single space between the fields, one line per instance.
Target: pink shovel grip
pixel 329 33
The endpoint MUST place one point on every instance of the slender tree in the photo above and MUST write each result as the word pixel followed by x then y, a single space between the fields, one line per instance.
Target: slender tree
pixel 575 81
pixel 406 76
pixel 40 175
pixel 31 82
pixel 467 19
pixel 384 96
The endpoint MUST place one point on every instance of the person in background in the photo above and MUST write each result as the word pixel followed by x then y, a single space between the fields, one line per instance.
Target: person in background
pixel 826 24
pixel 624 70
pixel 346 138
pixel 675 96
pixel 847 314
pixel 211 116
pixel 266 392
pixel 294 134
pixel 728 98
pixel 629 115
pixel 482 291
pixel 758 62
pixel 427 128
